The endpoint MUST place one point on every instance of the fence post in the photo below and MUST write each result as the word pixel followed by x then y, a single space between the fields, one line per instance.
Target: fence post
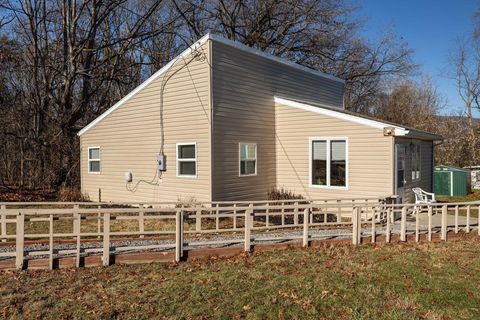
pixel 430 213
pixel 389 225
pixel 456 219
pixel 444 223
pixel 359 225
pixel 267 215
pixel 217 219
pixel 141 221
pixel 99 222
pixel 468 220
pixel 355 215
pixel 417 225
pixel 50 242
pixel 295 214
pixel 248 218
pixel 75 221
pixel 3 222
pixel 339 212
pixel 78 219
pixel 478 222
pixel 106 239
pixel 403 225
pixel 198 219
pixel 305 227
pixel 179 236
pixel 373 225
pixel 234 217
pixel 20 239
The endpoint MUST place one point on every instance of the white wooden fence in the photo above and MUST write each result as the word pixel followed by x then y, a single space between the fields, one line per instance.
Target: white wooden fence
pixel 125 227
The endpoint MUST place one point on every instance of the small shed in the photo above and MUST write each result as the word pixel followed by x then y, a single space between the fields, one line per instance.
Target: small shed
pixel 450 181
pixel 474 176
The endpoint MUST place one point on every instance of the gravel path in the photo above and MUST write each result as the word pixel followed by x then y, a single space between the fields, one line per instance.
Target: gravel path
pixel 192 240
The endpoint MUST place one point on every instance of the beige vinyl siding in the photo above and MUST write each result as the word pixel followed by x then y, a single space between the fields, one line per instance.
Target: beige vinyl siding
pixel 370 155
pixel 426 168
pixel 244 86
pixel 129 139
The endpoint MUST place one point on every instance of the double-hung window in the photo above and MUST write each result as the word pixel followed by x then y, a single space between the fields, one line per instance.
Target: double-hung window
pixel 187 160
pixel 328 162
pixel 248 159
pixel 416 160
pixel 94 160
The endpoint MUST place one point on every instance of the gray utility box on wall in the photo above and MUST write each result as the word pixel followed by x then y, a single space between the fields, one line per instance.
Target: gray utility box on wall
pixel 161 162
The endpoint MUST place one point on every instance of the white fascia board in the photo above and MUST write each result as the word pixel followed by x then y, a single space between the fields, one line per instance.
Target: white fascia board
pixel 260 53
pixel 152 78
pixel 399 131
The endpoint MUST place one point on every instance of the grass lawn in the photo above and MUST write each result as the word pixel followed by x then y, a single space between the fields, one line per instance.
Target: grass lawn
pixel 397 281
pixel 473 196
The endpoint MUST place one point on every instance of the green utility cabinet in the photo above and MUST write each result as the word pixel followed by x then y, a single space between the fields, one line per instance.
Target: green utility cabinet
pixel 450 181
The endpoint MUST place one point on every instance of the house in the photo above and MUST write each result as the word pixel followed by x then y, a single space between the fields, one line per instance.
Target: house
pixel 223 121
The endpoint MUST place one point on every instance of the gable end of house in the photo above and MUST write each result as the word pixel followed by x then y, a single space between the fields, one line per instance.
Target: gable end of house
pixel 193 48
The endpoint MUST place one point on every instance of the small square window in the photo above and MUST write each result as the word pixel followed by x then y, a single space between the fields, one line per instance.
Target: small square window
pixel 94 160
pixel 187 160
pixel 248 159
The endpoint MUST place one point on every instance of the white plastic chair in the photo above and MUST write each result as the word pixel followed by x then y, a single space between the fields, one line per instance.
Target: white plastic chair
pixel 423 197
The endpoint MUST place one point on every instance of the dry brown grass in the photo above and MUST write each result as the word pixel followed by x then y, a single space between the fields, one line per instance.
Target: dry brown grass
pixel 401 281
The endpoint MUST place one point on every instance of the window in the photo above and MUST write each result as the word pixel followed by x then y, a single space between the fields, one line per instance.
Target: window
pixel 94 160
pixel 187 160
pixel 416 160
pixel 248 159
pixel 328 167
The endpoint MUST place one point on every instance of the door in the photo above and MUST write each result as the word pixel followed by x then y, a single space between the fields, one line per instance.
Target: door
pixel 400 181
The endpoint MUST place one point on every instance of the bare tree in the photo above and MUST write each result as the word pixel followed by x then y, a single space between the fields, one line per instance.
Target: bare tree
pixel 412 104
pixel 75 59
pixel 465 62
pixel 323 35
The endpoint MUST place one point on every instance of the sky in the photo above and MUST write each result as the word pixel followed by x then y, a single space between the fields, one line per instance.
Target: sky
pixel 430 27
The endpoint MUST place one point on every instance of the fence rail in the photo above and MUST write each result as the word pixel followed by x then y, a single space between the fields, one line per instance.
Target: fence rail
pixel 113 228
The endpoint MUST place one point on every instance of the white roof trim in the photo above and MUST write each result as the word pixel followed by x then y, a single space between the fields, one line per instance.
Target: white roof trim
pixel 399 131
pixel 187 52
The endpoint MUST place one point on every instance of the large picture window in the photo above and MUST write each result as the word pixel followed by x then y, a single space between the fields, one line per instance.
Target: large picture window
pixel 328 167
pixel 94 160
pixel 248 159
pixel 187 160
pixel 416 160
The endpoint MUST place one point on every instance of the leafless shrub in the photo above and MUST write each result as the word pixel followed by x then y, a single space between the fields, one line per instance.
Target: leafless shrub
pixel 282 194
pixel 186 202
pixel 71 194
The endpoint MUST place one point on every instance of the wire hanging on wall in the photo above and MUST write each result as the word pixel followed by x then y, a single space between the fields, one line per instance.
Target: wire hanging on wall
pixel 196 55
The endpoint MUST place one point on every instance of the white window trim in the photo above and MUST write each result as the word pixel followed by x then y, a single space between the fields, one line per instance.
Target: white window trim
pixel 416 177
pixel 99 159
pixel 240 160
pixel 190 176
pixel 328 140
